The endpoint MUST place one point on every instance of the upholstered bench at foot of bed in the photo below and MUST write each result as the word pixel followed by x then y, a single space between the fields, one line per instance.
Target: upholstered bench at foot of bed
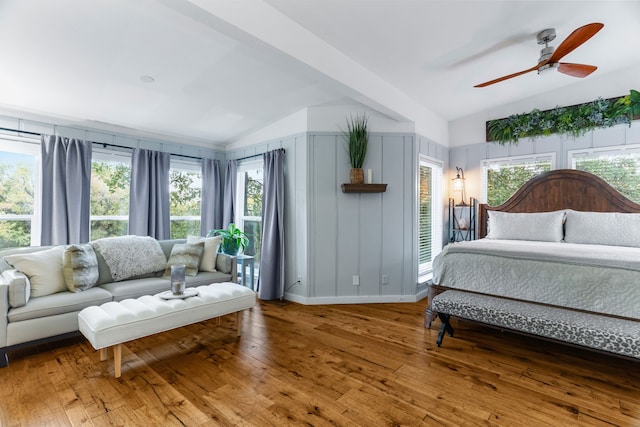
pixel 613 335
pixel 114 323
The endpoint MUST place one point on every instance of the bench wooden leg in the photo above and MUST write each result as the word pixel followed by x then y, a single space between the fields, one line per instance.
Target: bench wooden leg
pixel 238 323
pixel 446 327
pixel 117 359
pixel 103 353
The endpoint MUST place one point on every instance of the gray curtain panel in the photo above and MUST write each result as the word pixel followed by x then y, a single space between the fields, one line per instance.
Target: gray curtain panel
pixel 271 279
pixel 66 190
pixel 212 191
pixel 230 178
pixel 149 194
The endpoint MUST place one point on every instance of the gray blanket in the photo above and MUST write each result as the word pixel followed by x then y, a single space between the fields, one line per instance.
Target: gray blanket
pixel 598 279
pixel 557 252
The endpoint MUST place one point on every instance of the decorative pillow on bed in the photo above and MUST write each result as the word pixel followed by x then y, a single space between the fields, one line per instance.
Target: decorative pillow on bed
pixel 187 254
pixel 541 227
pixel 603 228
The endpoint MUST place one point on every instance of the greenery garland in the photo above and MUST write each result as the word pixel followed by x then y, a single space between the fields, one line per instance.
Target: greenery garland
pixel 571 121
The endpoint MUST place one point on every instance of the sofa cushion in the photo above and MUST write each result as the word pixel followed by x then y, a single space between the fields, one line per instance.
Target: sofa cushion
pixel 119 252
pixel 211 246
pixel 19 287
pixel 80 267
pixel 59 303
pixel 187 254
pixel 44 270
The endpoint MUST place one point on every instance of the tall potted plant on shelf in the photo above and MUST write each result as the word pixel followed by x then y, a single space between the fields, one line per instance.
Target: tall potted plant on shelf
pixel 357 141
pixel 234 241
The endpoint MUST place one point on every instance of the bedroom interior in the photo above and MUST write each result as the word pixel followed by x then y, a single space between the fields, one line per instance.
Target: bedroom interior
pixel 345 343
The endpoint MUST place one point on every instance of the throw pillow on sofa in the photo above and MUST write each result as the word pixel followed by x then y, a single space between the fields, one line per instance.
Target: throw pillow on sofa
pixel 43 268
pixel 211 245
pixel 130 256
pixel 80 267
pixel 187 254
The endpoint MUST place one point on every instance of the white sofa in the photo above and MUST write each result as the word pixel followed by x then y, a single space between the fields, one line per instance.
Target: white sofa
pixel 55 316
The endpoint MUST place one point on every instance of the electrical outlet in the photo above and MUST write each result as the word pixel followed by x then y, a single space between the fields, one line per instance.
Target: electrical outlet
pixel 299 279
pixel 356 280
pixel 385 279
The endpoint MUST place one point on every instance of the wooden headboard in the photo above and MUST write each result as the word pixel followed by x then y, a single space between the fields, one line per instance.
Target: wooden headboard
pixel 561 189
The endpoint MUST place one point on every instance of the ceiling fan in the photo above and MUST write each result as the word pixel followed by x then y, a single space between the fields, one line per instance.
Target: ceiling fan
pixel 549 58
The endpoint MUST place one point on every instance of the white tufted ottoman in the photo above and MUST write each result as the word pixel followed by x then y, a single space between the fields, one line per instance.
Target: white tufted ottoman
pixel 114 323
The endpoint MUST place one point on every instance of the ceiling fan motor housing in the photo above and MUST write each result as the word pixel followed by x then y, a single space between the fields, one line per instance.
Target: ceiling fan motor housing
pixel 545 53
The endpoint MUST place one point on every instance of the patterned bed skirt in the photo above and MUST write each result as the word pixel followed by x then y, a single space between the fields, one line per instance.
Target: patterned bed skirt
pixel 609 334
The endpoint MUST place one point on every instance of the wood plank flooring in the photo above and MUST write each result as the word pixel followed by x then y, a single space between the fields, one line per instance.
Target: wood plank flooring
pixel 340 365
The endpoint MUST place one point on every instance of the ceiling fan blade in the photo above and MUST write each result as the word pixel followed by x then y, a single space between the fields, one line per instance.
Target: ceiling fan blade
pixel 574 40
pixel 499 79
pixel 576 70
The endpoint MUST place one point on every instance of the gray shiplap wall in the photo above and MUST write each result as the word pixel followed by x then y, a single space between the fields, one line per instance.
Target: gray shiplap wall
pixel 362 234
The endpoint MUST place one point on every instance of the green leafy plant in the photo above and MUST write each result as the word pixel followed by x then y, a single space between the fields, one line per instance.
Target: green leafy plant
pixel 234 240
pixel 571 121
pixel 357 139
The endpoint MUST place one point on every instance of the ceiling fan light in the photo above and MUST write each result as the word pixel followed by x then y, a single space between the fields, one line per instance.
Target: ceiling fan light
pixel 549 66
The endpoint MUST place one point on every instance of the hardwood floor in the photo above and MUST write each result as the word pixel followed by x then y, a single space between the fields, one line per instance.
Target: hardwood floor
pixel 369 365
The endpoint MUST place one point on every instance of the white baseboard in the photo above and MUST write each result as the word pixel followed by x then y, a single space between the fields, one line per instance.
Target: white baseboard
pixel 366 299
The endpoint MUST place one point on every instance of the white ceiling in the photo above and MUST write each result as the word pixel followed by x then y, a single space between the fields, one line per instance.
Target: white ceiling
pixel 226 68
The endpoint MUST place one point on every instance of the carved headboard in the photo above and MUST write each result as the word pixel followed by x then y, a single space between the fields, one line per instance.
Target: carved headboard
pixel 561 189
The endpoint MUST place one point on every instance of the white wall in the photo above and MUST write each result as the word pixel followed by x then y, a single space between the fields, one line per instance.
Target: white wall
pixel 52 127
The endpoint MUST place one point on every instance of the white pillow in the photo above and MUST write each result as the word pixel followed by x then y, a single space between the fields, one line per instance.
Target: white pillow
pixel 603 228
pixel 211 245
pixel 541 227
pixel 43 268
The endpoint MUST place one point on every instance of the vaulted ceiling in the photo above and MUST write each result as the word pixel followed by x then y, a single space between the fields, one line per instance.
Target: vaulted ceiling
pixel 212 71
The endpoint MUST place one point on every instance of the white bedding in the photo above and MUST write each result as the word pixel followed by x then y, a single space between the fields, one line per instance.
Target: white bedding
pixel 595 278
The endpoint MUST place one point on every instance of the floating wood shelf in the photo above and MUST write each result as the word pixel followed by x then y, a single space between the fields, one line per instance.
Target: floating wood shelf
pixel 364 188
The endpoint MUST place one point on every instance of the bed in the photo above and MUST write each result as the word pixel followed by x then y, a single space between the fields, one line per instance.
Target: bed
pixel 560 259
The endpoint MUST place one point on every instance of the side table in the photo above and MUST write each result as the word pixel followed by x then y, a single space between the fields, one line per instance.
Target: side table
pixel 245 261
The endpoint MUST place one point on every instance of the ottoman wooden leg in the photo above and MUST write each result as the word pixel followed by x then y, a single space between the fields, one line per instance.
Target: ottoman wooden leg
pixel 117 359
pixel 238 323
pixel 103 353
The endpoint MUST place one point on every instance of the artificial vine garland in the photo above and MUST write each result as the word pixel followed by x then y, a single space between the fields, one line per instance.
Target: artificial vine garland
pixel 571 121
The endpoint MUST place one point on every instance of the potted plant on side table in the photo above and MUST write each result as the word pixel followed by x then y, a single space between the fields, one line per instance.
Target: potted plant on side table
pixel 234 241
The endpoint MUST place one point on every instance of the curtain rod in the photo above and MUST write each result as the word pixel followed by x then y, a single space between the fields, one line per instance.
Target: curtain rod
pixel 21 131
pixel 248 157
pixel 104 144
pixel 257 155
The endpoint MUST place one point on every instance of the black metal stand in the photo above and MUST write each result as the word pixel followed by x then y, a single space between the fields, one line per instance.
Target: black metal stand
pixel 462 220
pixel 446 327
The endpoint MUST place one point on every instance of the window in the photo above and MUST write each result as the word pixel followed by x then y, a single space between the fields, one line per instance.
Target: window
pixel 186 193
pixel 429 214
pixel 19 192
pixel 503 177
pixel 619 166
pixel 110 177
pixel 249 205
